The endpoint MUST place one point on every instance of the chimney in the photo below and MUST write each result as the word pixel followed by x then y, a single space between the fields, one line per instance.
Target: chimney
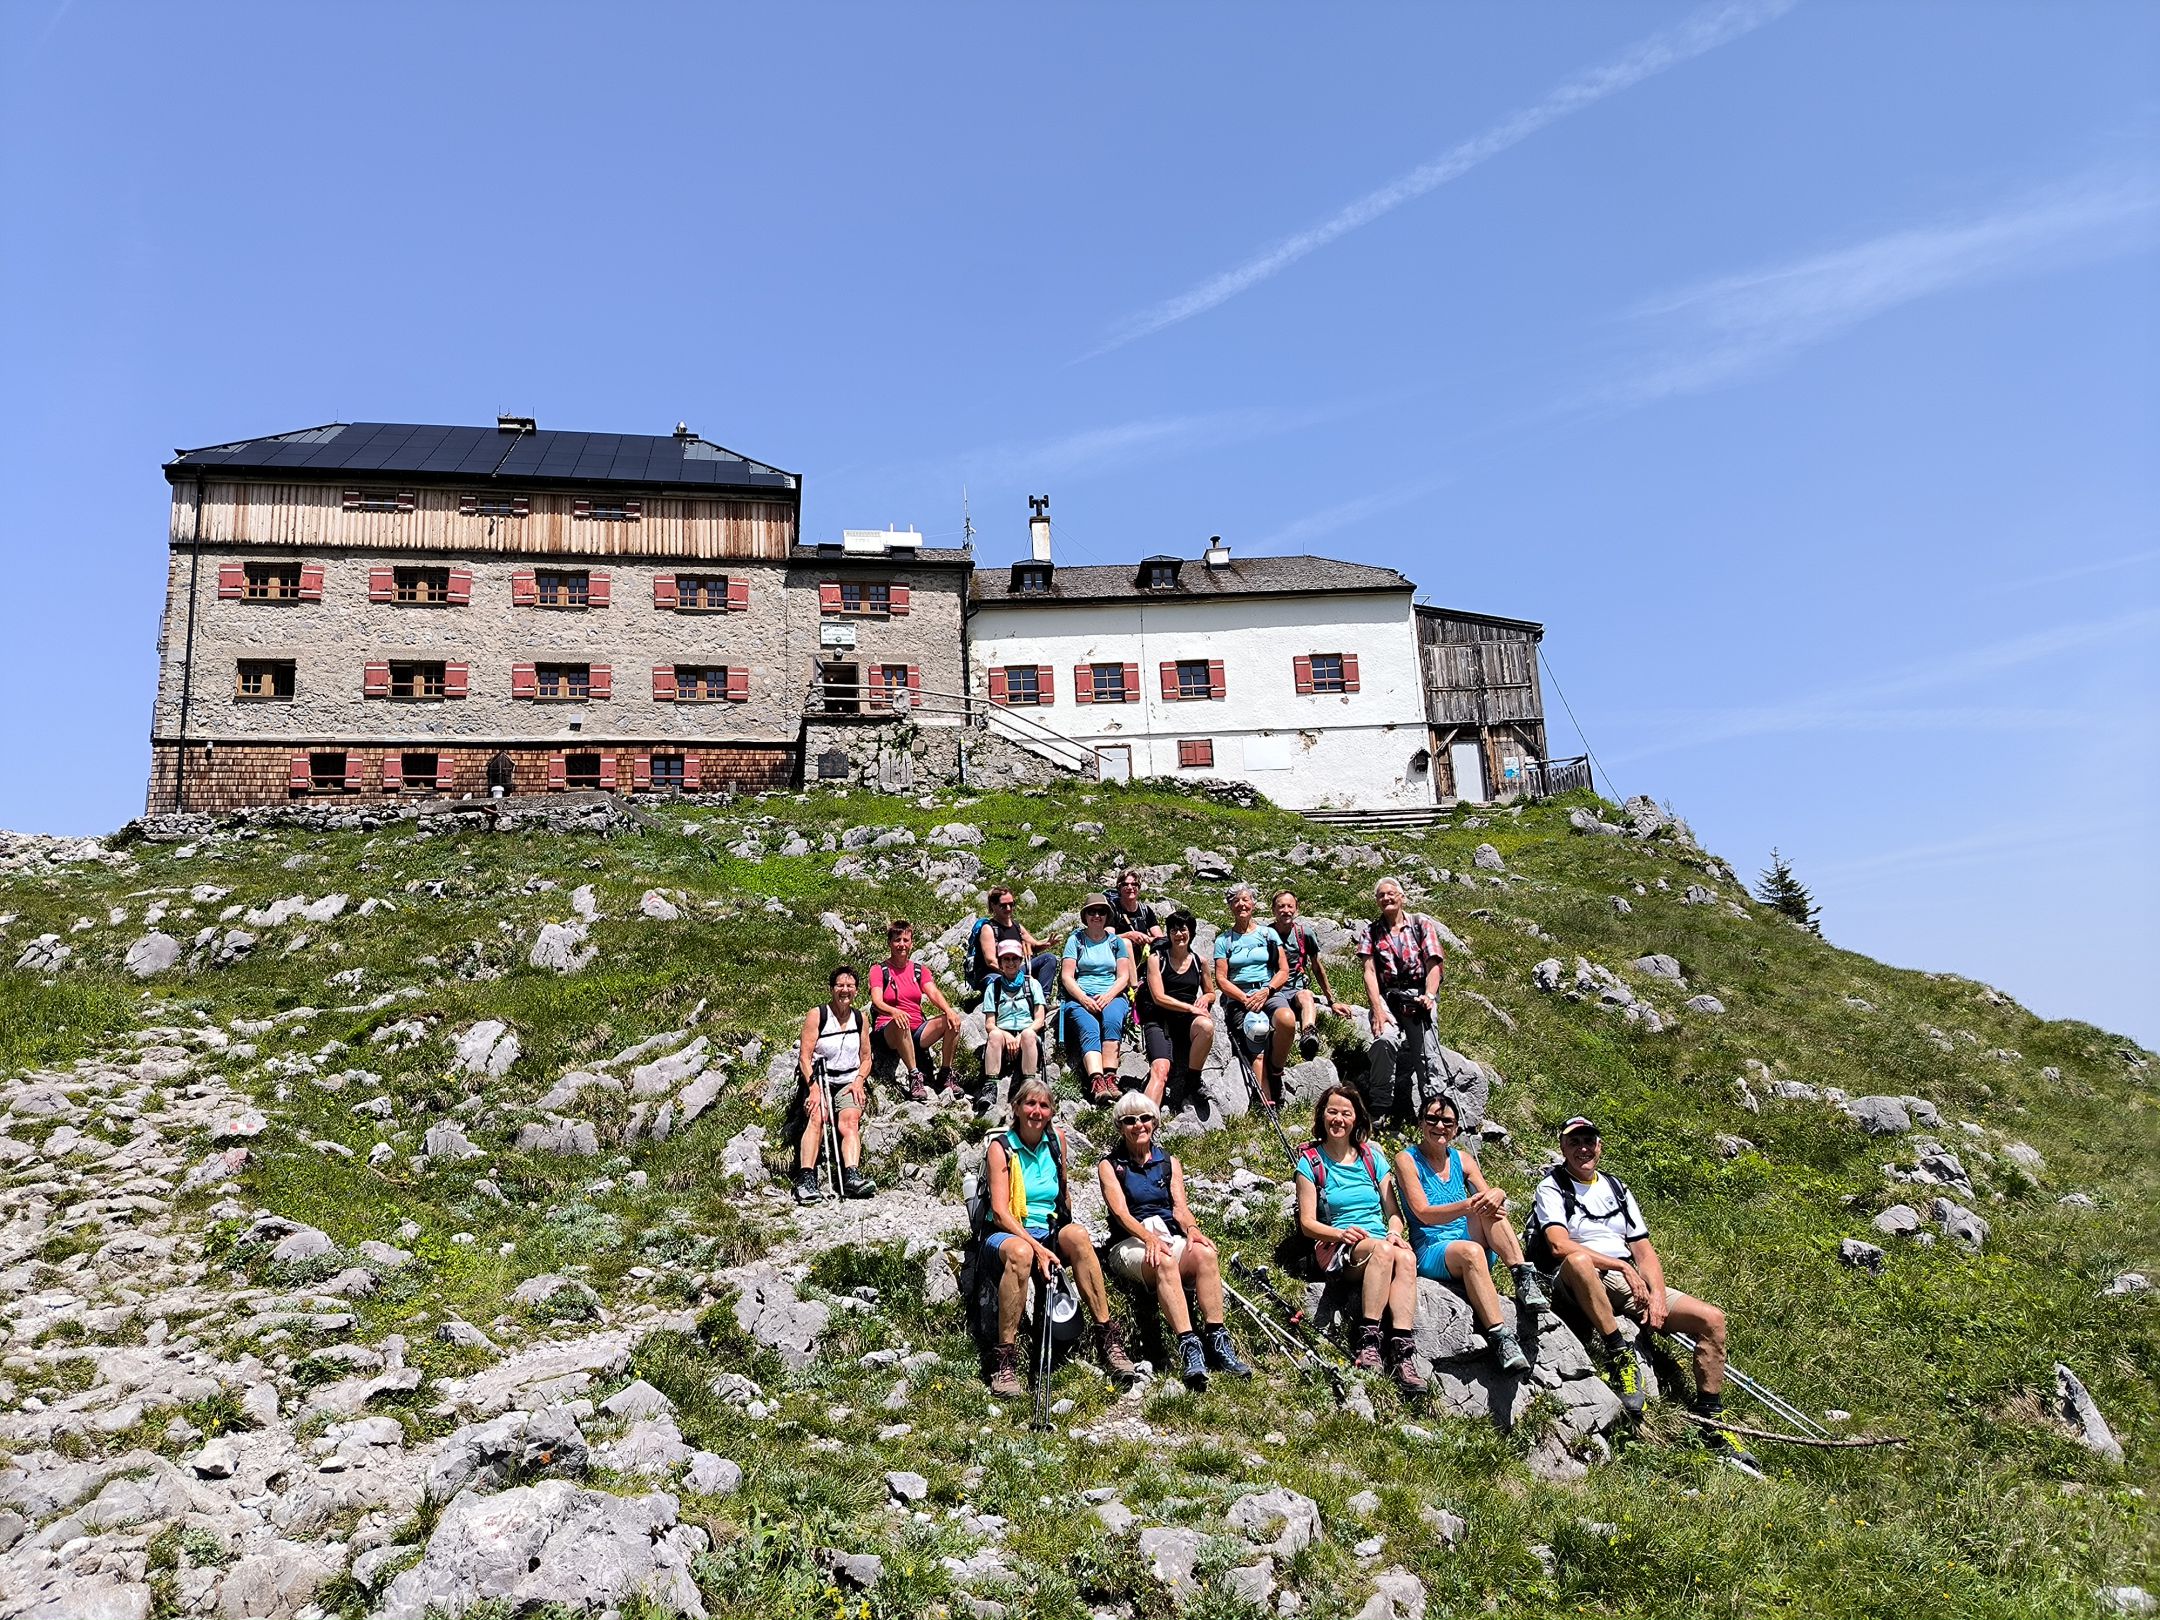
pixel 1217 554
pixel 1039 527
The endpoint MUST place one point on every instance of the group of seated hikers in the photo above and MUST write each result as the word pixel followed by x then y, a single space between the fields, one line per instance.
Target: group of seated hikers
pixel 1379 1224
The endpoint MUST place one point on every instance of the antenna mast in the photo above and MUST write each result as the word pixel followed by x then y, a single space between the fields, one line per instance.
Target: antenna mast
pixel 967 523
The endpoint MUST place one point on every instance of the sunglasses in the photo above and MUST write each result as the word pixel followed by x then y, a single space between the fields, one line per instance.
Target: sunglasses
pixel 1448 1121
pixel 1128 1123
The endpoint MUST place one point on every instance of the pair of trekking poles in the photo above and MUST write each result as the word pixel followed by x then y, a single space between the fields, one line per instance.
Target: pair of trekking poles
pixel 831 1144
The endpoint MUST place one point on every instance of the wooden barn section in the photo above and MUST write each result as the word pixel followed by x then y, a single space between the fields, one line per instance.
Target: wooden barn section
pixel 1484 702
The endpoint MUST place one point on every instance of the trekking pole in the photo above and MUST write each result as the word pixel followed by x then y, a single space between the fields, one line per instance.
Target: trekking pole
pixel 1042 1354
pixel 1762 1392
pixel 1285 1343
pixel 832 1127
pixel 1272 1110
pixel 1318 1343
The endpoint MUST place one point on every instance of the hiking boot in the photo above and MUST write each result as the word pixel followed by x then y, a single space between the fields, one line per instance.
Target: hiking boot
pixel 987 1097
pixel 1530 1292
pixel 1110 1350
pixel 1308 1045
pixel 1507 1352
pixel 1367 1358
pixel 918 1086
pixel 1005 1380
pixel 854 1184
pixel 1401 1352
pixel 1625 1377
pixel 809 1185
pixel 947 1081
pixel 1724 1445
pixel 1222 1355
pixel 1103 1088
pixel 1192 1362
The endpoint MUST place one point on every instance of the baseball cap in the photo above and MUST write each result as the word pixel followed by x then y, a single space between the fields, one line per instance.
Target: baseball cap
pixel 1578 1123
pixel 1010 947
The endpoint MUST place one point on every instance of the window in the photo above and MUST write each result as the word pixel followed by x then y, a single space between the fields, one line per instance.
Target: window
pixel 495 506
pixel 702 683
pixel 379 500
pixel 563 683
pixel 610 511
pixel 667 773
pixel 1108 684
pixel 1193 680
pixel 1196 753
pixel 865 596
pixel 1023 685
pixel 273 582
pixel 886 679
pixel 417 772
pixel 1031 579
pixel 581 770
pixel 1158 576
pixel 326 773
pixel 562 587
pixel 410 679
pixel 843 688
pixel 265 678
pixel 1326 672
pixel 709 593
pixel 422 584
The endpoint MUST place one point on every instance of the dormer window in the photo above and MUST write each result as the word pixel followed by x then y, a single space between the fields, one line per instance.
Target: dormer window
pixel 1031 579
pixel 1159 574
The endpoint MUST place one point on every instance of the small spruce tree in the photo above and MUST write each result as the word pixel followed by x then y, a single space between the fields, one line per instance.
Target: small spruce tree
pixel 1780 890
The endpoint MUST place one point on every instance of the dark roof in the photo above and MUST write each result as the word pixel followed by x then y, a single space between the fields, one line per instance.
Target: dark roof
pixel 420 454
pixel 902 557
pixel 1427 610
pixel 1244 576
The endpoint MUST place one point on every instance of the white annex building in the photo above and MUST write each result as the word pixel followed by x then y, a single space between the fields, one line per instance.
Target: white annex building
pixel 1300 675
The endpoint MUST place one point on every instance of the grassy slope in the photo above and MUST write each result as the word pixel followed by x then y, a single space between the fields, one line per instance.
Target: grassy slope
pixel 1987 1513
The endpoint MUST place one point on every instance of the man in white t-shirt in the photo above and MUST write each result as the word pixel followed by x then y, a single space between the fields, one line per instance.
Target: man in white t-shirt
pixel 1591 1234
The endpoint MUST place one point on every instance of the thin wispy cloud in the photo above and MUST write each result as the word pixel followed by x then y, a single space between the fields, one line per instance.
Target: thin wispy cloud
pixel 1983 848
pixel 1879 703
pixel 1705 31
pixel 2110 565
pixel 1116 446
pixel 1312 526
pixel 1721 330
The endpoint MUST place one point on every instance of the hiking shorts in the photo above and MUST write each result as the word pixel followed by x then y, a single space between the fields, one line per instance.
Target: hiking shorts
pixel 1001 1237
pixel 1127 1258
pixel 1087 1031
pixel 1236 1015
pixel 1168 1036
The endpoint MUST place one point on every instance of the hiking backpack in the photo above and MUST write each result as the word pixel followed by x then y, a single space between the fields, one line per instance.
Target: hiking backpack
pixel 1536 1246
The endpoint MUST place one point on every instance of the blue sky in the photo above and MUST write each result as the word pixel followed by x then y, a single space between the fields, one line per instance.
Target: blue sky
pixel 1795 364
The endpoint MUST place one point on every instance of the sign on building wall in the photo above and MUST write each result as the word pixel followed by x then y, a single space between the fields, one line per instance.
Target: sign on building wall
pixel 836 635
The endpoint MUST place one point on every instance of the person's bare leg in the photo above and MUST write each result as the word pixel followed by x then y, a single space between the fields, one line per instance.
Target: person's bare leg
pixel 1379 1264
pixel 1112 1053
pixel 1284 1032
pixel 1497 1235
pixel 902 1041
pixel 1169 1286
pixel 1580 1277
pixel 1030 1054
pixel 851 1137
pixel 813 1134
pixel 1203 1270
pixel 1202 1045
pixel 1158 1081
pixel 1402 1291
pixel 1705 1324
pixel 1012 1287
pixel 1078 1248
pixel 994 1054
pixel 1466 1261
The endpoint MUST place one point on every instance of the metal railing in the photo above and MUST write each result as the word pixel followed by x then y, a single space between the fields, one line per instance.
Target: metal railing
pixel 860 701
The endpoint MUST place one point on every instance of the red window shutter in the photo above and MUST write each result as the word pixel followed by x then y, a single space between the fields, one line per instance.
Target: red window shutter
pixel 607 771
pixel 597 587
pixel 231 581
pixel 1047 694
pixel 353 775
pixel 381 585
pixel 1216 686
pixel 393 772
pixel 303 775
pixel 1132 683
pixel 406 500
pixel 1349 672
pixel 311 582
pixel 914 679
pixel 352 500
pixel 375 681
pixel 897 599
pixel 456 680
pixel 663 591
pixel 524 589
pixel 690 770
pixel 460 587
pixel 997 686
pixel 738 683
pixel 1169 683
pixel 877 679
pixel 828 597
pixel 581 509
pixel 633 510
pixel 468 506
pixel 600 680
pixel 641 770
pixel 1302 664
pixel 1083 683
pixel 663 683
pixel 558 771
pixel 524 681
pixel 738 596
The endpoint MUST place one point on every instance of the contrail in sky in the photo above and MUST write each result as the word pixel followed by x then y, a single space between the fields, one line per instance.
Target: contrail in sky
pixel 1705 31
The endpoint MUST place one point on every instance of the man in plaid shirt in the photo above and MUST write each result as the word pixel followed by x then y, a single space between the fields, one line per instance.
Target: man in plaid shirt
pixel 1403 963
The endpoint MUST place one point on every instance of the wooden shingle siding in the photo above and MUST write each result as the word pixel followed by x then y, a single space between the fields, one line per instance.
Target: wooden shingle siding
pixel 685 526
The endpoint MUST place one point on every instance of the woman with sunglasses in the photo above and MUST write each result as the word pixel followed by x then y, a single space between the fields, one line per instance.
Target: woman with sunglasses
pixel 1458 1226
pixel 1160 1245
pixel 1348 1210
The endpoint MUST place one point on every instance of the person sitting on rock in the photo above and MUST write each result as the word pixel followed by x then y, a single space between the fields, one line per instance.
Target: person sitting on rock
pixel 1458 1226
pixel 989 937
pixel 1301 959
pixel 1588 1228
pixel 1159 1243
pixel 1098 981
pixel 1013 1011
pixel 1403 967
pixel 1252 976
pixel 899 986
pixel 835 1037
pixel 1177 1014
pixel 1032 1231
pixel 1132 918
pixel 1347 1210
